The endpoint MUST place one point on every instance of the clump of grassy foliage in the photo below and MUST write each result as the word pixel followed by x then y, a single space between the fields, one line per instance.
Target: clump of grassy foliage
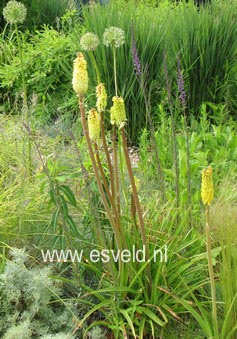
pixel 204 38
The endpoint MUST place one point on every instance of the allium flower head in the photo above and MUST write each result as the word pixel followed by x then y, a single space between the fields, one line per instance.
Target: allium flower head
pixel 94 125
pixel 89 41
pixel 118 114
pixel 14 12
pixel 207 190
pixel 80 75
pixel 101 94
pixel 113 36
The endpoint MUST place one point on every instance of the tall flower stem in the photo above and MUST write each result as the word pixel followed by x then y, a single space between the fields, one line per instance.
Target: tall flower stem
pixel 102 123
pixel 115 156
pixel 136 198
pixel 183 102
pixel 22 75
pixel 100 167
pixel 115 161
pixel 110 197
pixel 115 71
pixel 88 191
pixel 188 167
pixel 134 189
pixel 175 158
pixel 26 116
pixel 211 273
pixel 173 134
pixel 105 147
pixel 153 138
pixel 97 175
pixel 140 77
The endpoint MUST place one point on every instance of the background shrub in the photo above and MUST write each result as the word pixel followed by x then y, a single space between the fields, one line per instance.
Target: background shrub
pixel 47 60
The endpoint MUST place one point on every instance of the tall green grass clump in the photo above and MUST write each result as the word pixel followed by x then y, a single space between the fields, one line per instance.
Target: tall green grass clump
pixel 150 45
pixel 205 40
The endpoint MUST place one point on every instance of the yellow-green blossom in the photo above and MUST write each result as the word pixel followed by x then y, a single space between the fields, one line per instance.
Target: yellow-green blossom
pixel 89 41
pixel 207 190
pixel 80 75
pixel 94 125
pixel 101 94
pixel 118 114
pixel 14 12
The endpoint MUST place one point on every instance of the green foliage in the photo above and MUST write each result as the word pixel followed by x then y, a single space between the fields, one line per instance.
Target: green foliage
pixel 16 195
pixel 45 12
pixel 47 60
pixel 126 304
pixel 209 144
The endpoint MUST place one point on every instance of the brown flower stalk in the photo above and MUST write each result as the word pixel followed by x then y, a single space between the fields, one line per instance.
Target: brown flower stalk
pixel 97 175
pixel 207 193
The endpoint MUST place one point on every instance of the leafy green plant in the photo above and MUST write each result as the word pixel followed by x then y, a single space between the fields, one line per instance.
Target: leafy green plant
pixel 47 72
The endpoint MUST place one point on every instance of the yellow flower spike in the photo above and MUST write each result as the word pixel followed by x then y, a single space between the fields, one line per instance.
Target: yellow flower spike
pixel 94 125
pixel 207 190
pixel 118 114
pixel 80 75
pixel 101 95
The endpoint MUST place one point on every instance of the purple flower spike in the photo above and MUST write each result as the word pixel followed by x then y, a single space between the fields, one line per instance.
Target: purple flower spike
pixel 136 61
pixel 180 82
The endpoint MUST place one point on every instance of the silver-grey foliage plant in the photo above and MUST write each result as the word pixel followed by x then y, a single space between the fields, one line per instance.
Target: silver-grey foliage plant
pixel 25 296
